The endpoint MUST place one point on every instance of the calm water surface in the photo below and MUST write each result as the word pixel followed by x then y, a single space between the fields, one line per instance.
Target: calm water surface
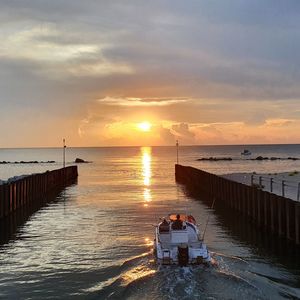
pixel 95 240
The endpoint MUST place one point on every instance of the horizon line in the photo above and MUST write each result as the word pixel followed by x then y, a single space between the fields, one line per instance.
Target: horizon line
pixel 139 146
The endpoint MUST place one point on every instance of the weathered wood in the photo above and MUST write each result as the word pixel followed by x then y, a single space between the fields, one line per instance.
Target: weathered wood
pixel 18 198
pixel 1 201
pixel 276 213
pixel 12 198
pixel 287 220
pixel 258 205
pixel 265 209
pixel 272 212
pixel 254 210
pixel 297 223
pixel 6 199
pixel 279 215
pixel 248 200
pixel 26 191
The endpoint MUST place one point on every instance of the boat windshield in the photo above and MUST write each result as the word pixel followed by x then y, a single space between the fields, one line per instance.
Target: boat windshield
pixel 183 218
pixel 173 217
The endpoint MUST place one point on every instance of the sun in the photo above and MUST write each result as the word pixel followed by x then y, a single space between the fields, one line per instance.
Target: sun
pixel 144 126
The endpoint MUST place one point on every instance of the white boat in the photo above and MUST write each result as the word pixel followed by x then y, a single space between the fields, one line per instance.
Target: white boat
pixel 178 241
pixel 246 152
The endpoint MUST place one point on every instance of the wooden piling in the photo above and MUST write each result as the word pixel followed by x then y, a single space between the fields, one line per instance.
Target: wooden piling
pixel 287 220
pixel 297 223
pixel 1 202
pixel 253 210
pixel 272 212
pixel 248 200
pixel 258 206
pixel 265 208
pixel 26 191
pixel 6 199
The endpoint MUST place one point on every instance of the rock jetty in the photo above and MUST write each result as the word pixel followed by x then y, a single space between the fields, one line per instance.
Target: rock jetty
pixel 81 161
pixel 274 158
pixel 258 158
pixel 214 159
pixel 27 162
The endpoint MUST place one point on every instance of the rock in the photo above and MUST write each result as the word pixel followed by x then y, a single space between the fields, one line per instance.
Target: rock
pixel 79 160
pixel 214 159
pixel 27 162
pixel 261 158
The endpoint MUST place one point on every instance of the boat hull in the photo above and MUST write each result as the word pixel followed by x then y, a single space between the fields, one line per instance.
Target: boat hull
pixel 172 257
pixel 180 248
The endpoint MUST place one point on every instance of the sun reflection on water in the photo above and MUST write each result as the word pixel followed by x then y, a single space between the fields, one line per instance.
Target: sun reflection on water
pixel 148 242
pixel 147 195
pixel 146 174
pixel 146 165
pixel 137 273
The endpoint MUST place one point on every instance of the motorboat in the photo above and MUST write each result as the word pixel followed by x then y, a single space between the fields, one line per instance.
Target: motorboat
pixel 246 152
pixel 178 241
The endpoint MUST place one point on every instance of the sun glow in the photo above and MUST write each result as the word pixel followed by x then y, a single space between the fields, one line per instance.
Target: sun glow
pixel 144 126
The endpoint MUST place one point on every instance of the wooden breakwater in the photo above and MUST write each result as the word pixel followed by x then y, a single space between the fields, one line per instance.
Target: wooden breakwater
pixel 28 190
pixel 272 212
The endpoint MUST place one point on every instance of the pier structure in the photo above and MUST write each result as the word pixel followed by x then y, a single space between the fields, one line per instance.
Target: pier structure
pixel 21 193
pixel 269 211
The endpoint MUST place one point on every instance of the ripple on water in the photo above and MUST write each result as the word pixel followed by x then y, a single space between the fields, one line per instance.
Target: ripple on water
pixel 93 240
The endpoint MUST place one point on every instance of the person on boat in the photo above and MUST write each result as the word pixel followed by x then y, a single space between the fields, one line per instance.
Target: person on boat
pixel 177 224
pixel 191 219
pixel 164 226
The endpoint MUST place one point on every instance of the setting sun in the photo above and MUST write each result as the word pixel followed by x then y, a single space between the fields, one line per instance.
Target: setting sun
pixel 144 126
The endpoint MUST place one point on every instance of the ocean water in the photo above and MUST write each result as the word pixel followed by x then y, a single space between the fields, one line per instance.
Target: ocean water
pixel 94 240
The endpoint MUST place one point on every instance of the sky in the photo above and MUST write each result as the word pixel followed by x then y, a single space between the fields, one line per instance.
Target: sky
pixel 131 73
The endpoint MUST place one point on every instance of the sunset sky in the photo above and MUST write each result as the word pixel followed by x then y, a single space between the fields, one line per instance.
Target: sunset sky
pixel 113 73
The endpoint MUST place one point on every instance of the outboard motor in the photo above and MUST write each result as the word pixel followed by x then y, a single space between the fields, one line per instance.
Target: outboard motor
pixel 183 255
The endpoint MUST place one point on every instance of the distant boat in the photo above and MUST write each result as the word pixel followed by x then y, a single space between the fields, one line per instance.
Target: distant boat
pixel 246 152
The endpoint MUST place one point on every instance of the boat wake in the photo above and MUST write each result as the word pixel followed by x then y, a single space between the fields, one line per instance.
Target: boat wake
pixel 141 278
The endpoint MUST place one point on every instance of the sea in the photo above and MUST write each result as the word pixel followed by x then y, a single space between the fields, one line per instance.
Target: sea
pixel 94 240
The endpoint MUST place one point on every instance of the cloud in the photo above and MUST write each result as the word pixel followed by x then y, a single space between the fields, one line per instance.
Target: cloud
pixel 131 101
pixel 166 136
pixel 196 67
pixel 279 122
pixel 59 53
pixel 183 133
pixel 219 59
pixel 26 44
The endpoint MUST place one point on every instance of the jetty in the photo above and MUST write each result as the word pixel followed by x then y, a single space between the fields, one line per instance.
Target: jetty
pixel 19 194
pixel 274 213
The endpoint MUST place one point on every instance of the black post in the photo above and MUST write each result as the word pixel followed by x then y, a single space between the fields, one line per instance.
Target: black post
pixel 177 144
pixel 64 153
